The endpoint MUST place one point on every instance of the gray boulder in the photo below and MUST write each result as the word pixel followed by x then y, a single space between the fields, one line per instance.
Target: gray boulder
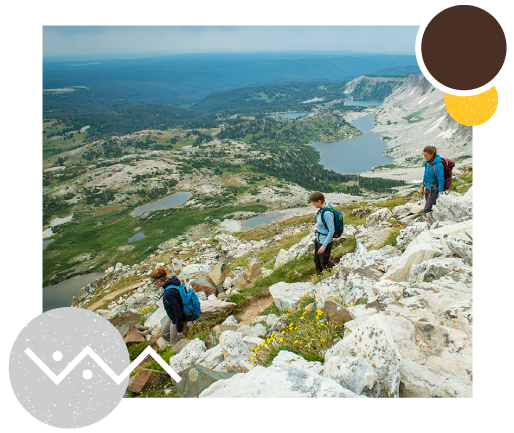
pixel 197 378
pixel 380 215
pixel 235 352
pixel 277 382
pixel 188 355
pixel 211 358
pixel 285 358
pixel 409 233
pixel 434 269
pixel 286 295
pixel 373 341
pixel 352 373
pixel 451 208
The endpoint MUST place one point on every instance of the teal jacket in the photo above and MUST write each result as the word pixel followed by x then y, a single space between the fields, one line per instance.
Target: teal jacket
pixel 429 177
pixel 322 236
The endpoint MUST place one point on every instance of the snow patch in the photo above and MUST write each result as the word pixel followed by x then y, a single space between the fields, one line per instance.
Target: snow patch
pixel 422 99
pixel 436 124
pixel 447 134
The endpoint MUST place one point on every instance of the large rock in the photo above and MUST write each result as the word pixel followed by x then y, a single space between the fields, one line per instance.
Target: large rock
pixel 379 216
pixel 123 318
pixel 427 245
pixel 197 378
pixel 252 342
pixel 402 211
pixel 249 275
pixel 282 258
pixel 219 274
pixel 188 355
pixel 133 336
pixel 211 358
pixel 373 341
pixel 373 236
pixel 235 352
pixel 146 379
pixel 409 233
pixel 421 381
pixel 451 208
pixel 404 336
pixel 336 313
pixel 277 382
pixel 212 309
pixel 461 245
pixel 157 318
pixel 204 286
pixel 352 373
pixel 286 295
pixel 213 338
pixel 258 330
pixel 286 358
pixel 434 269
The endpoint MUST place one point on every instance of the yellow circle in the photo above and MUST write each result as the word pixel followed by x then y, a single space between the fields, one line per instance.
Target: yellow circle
pixel 472 110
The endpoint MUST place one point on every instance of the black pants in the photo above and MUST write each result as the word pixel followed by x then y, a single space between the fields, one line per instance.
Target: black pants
pixel 430 199
pixel 322 261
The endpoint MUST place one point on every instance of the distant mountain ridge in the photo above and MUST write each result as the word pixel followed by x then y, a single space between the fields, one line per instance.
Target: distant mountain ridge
pixel 182 80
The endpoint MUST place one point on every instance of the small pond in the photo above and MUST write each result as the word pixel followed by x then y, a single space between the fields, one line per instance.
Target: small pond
pixel 260 220
pixel 291 116
pixel 137 236
pixel 171 201
pixel 362 103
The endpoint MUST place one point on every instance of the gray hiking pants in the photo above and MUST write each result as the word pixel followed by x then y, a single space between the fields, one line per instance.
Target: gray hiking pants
pixel 430 199
pixel 169 331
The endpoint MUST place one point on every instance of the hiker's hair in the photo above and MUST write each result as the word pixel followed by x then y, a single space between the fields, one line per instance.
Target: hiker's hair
pixel 159 273
pixel 317 196
pixel 430 150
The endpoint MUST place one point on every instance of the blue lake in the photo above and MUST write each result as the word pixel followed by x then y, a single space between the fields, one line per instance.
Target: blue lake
pixel 291 116
pixel 171 201
pixel 137 236
pixel 355 155
pixel 260 220
pixel 61 294
pixel 362 103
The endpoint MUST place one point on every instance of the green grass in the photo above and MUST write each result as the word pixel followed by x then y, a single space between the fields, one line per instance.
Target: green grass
pixel 166 355
pixel 157 392
pixel 136 349
pixel 84 235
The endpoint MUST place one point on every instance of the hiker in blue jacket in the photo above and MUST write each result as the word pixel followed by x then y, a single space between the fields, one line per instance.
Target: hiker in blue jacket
pixel 433 179
pixel 323 242
pixel 173 328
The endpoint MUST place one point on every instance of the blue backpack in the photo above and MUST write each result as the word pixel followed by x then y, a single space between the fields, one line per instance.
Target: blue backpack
pixel 338 220
pixel 190 302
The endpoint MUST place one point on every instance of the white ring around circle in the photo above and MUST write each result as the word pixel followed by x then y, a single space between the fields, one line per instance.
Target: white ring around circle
pixel 506 32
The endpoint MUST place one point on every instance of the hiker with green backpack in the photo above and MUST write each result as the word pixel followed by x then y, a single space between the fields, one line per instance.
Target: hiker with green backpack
pixel 437 177
pixel 329 225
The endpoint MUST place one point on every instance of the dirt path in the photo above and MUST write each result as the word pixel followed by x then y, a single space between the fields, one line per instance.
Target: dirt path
pixel 111 296
pixel 254 309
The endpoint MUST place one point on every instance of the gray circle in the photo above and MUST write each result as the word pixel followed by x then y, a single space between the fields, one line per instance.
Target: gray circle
pixel 78 400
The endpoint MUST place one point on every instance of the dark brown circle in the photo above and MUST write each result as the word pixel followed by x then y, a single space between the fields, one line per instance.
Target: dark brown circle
pixel 463 47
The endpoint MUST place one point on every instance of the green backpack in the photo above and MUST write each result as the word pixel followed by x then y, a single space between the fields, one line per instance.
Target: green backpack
pixel 338 220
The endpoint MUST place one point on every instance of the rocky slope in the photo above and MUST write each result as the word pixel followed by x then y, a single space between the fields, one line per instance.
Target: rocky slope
pixel 405 312
pixel 412 117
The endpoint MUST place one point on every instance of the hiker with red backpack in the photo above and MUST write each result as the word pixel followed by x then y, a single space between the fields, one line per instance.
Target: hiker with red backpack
pixel 437 176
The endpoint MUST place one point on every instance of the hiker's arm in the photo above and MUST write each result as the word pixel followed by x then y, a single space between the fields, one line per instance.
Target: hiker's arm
pixel 329 219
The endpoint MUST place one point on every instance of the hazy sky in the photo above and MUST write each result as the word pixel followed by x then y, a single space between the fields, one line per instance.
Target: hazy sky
pixel 101 40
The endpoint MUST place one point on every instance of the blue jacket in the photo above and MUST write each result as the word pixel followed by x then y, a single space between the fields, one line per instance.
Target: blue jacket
pixel 429 177
pixel 173 303
pixel 322 236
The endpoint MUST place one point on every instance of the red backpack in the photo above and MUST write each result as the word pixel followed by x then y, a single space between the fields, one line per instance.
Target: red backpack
pixel 448 165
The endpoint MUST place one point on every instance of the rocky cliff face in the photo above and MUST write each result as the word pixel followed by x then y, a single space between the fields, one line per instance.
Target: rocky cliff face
pixel 414 116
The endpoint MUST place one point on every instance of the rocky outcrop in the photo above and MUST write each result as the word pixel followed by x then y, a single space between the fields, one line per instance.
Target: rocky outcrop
pixel 406 310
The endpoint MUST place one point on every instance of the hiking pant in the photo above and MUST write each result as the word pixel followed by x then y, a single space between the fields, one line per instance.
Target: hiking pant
pixel 322 261
pixel 430 199
pixel 169 331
